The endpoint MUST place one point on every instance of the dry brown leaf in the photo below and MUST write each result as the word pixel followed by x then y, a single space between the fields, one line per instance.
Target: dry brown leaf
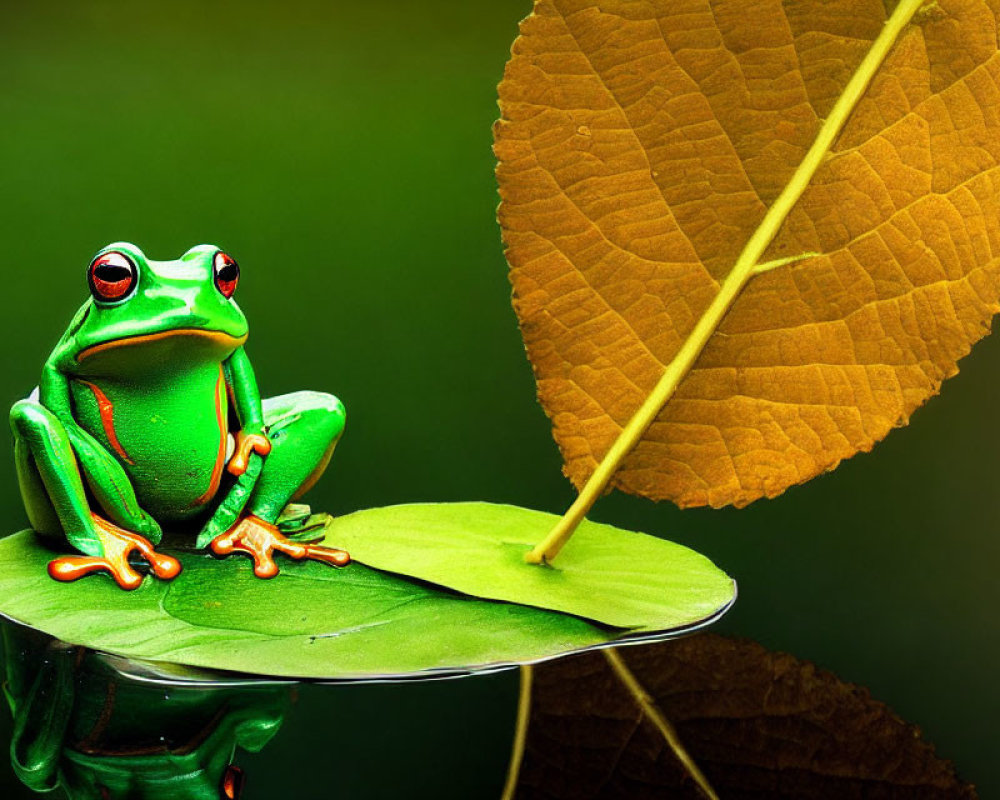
pixel 759 725
pixel 641 143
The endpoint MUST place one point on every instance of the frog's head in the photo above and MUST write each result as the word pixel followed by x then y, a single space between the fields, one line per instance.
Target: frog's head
pixel 142 309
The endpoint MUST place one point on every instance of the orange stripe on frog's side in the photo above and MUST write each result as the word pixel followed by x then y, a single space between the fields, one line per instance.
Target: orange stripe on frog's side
pixel 220 459
pixel 107 412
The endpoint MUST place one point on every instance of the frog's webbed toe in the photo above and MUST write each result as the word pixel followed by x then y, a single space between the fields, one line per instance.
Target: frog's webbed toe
pixel 71 568
pixel 261 540
pixel 118 544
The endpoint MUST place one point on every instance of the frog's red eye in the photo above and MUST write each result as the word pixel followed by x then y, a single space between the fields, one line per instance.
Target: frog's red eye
pixel 227 273
pixel 112 276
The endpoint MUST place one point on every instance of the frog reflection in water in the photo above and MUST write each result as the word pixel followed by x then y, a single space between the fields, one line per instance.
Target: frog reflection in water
pixel 148 414
pixel 83 723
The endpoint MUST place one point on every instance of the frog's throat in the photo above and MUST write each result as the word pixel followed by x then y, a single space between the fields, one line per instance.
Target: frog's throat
pixel 146 338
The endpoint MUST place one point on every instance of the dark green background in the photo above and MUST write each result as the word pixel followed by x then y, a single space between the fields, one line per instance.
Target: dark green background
pixel 342 154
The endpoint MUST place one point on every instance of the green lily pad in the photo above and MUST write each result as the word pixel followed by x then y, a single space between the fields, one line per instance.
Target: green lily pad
pixel 312 621
pixel 604 574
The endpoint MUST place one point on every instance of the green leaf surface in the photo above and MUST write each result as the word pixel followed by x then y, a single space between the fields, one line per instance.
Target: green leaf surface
pixel 611 576
pixel 312 621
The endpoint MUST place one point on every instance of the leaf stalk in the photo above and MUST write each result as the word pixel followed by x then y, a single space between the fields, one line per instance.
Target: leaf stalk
pixel 653 713
pixel 520 732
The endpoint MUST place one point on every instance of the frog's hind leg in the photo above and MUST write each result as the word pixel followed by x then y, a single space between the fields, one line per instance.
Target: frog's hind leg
pixel 58 507
pixel 41 512
pixel 303 428
pixel 49 477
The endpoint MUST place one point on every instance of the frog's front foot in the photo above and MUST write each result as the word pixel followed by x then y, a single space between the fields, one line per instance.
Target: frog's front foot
pixel 118 544
pixel 261 540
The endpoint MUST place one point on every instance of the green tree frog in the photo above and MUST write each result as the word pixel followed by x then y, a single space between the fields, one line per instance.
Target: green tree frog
pixel 147 414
